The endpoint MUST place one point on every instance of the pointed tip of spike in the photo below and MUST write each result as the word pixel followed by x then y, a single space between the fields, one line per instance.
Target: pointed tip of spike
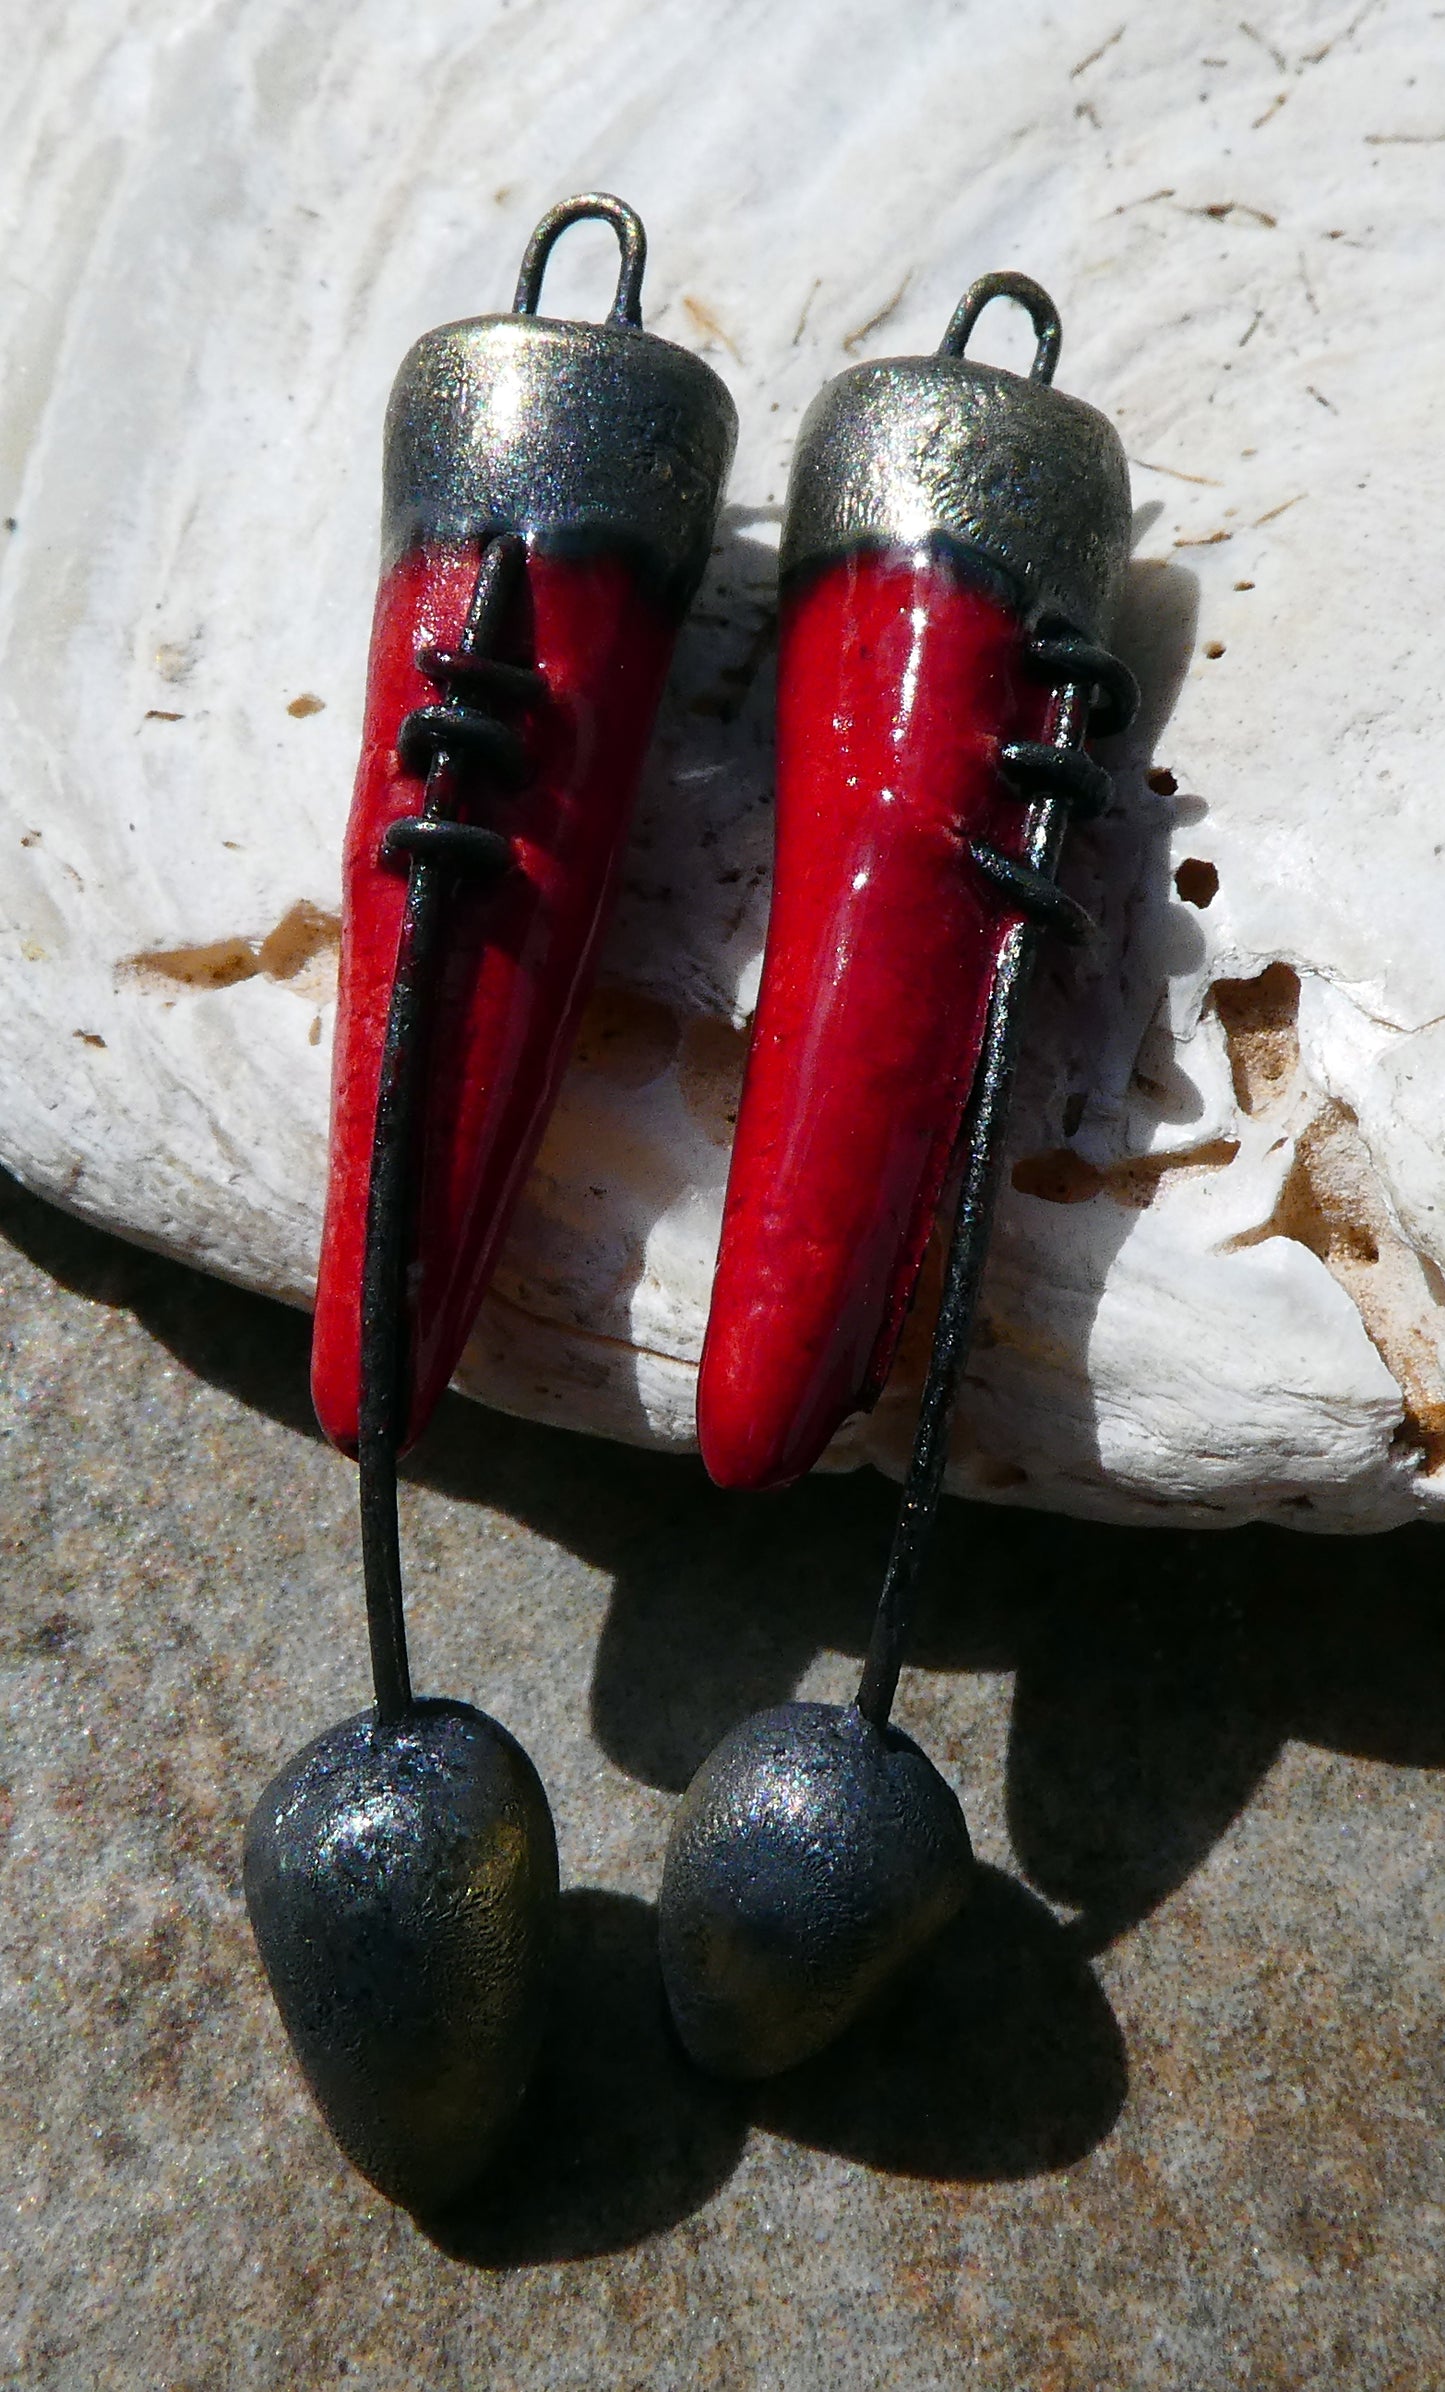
pixel 736 1456
pixel 758 1429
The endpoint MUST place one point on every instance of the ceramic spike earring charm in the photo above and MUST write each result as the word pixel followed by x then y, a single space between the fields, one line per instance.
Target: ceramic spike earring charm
pixel 953 543
pixel 604 450
pixel 551 493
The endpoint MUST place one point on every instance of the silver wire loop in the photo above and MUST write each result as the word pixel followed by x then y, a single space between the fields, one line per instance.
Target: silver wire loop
pixel 626 306
pixel 1032 296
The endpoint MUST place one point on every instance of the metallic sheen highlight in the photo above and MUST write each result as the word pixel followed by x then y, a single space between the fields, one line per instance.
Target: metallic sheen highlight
pixel 812 1856
pixel 402 1884
pixel 569 433
pixel 1035 483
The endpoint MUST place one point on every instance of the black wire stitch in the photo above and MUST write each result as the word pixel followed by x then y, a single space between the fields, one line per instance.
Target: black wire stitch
pixel 1036 768
pixel 450 741
pixel 1094 693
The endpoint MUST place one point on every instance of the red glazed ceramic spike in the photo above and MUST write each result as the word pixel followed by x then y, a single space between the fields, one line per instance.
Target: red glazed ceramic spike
pixel 519 948
pixel 951 545
pixel 881 952
pixel 939 513
pixel 606 450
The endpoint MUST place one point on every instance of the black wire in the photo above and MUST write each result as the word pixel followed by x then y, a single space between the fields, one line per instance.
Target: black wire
pixel 982 1139
pixel 434 845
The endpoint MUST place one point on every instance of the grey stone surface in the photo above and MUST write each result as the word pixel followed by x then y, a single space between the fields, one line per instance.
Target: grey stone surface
pixel 1167 2112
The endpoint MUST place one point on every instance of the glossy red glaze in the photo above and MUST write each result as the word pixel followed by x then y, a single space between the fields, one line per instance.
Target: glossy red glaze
pixel 898 679
pixel 518 954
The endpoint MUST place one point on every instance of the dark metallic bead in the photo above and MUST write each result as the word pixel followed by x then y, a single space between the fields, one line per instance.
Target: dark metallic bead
pixel 402 1883
pixel 811 1857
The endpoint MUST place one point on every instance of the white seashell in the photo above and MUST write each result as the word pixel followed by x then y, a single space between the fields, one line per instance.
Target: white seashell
pixel 225 227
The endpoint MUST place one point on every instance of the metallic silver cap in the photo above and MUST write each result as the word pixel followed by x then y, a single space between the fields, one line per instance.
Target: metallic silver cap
pixel 579 436
pixel 568 433
pixel 1035 485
